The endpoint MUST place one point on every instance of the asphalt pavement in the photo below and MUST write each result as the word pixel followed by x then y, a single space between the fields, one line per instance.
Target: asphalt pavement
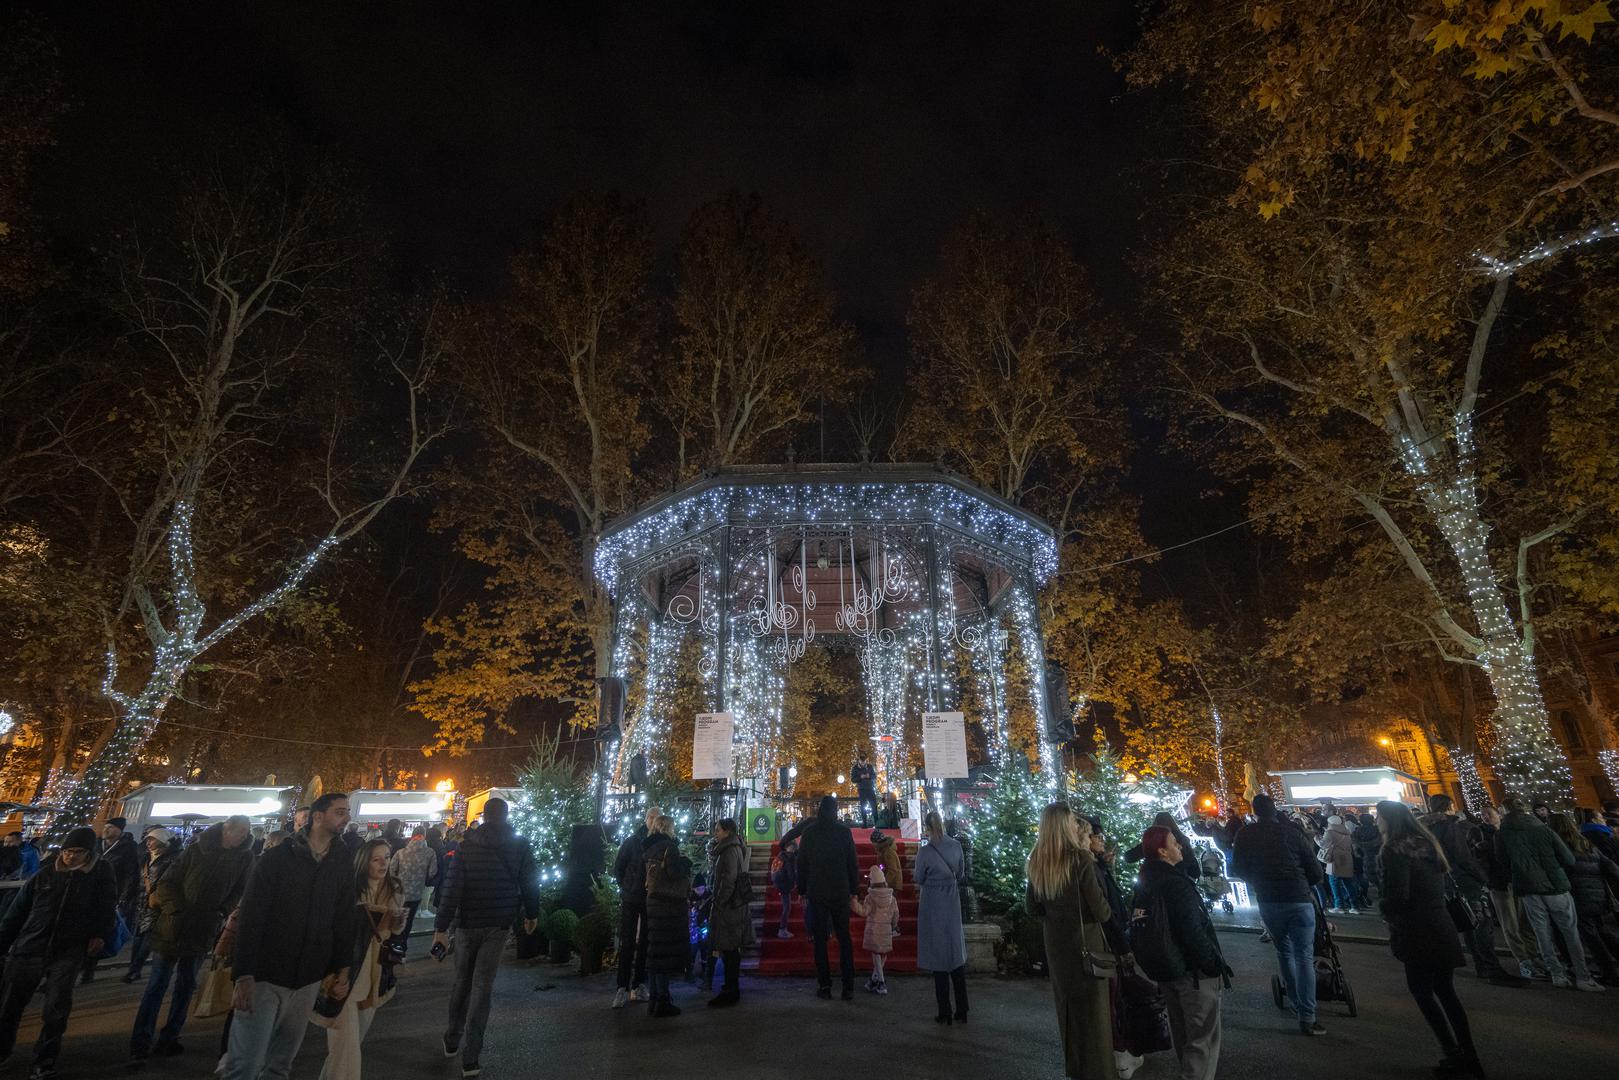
pixel 550 1022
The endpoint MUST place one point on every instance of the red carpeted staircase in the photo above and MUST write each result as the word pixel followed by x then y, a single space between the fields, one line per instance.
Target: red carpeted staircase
pixel 796 955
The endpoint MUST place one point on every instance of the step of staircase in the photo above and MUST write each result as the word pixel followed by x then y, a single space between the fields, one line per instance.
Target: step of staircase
pixel 796 955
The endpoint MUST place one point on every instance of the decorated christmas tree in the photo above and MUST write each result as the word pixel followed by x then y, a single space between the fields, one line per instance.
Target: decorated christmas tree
pixel 1124 802
pixel 1002 829
pixel 555 797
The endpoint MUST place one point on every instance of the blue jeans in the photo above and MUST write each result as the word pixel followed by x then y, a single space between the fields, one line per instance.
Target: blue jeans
pixel 184 974
pixel 1343 891
pixel 1292 929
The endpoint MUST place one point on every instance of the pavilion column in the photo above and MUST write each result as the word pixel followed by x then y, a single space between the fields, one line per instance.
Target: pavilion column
pixel 722 628
pixel 935 646
pixel 1026 618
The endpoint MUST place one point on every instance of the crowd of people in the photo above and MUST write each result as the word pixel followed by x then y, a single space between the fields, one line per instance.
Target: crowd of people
pixel 1538 878
pixel 307 925
pixel 296 927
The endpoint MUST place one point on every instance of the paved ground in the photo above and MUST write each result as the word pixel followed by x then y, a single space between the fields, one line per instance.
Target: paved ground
pixel 549 1022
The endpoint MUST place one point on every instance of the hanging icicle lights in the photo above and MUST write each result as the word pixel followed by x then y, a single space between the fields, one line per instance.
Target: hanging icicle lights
pixel 765 546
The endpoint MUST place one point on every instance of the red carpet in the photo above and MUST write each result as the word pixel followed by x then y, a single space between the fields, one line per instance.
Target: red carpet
pixel 796 956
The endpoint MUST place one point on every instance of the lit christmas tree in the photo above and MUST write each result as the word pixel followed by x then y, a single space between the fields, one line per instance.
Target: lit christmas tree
pixel 555 798
pixel 1003 828
pixel 1124 803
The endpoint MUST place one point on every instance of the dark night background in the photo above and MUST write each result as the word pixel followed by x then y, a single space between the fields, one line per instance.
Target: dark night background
pixel 875 130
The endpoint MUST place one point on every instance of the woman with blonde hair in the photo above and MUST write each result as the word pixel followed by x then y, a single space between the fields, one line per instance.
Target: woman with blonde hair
pixel 941 944
pixel 1065 895
pixel 380 903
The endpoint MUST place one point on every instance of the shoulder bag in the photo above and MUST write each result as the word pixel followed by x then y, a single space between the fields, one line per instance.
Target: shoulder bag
pixel 1096 965
pixel 1461 913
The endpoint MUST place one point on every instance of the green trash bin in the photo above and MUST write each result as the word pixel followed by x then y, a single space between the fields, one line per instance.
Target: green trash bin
pixel 763 825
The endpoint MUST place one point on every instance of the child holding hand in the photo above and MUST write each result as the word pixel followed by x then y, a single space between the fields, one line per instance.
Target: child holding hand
pixel 880 909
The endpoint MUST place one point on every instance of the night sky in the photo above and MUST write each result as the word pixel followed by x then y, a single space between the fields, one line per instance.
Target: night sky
pixel 874 129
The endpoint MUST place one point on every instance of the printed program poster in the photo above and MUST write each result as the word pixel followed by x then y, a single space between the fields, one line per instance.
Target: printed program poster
pixel 711 747
pixel 944 746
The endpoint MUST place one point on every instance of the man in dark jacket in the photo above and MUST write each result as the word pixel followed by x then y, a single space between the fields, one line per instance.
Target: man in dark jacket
pixel 493 882
pixel 295 934
pixel 62 914
pixel 120 852
pixel 863 775
pixel 1278 864
pixel 1539 864
pixel 829 874
pixel 1459 839
pixel 629 870
pixel 191 900
pixel 1509 915
pixel 1178 949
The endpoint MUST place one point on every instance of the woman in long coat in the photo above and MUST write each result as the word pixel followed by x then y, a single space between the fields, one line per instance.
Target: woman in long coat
pixel 941 945
pixel 1421 933
pixel 1067 898
pixel 668 919
pixel 730 920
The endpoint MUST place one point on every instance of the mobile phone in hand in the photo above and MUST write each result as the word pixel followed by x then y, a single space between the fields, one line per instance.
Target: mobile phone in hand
pixel 438 951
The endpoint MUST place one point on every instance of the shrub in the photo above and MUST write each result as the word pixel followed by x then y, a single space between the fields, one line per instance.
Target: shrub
pixel 561 925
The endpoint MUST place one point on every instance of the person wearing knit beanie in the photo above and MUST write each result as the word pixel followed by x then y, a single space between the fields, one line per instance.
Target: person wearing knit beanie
pixel 63 914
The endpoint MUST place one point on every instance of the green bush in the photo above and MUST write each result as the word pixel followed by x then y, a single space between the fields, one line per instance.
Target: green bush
pixel 604 899
pixel 561 925
pixel 591 937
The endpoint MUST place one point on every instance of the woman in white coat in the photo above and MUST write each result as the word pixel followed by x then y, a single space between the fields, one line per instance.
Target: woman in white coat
pixel 380 915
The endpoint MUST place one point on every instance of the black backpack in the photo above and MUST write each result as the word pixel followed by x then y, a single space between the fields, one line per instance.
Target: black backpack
pixel 1152 942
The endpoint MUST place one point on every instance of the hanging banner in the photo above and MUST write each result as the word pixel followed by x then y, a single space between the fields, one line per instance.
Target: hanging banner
pixel 711 747
pixel 944 746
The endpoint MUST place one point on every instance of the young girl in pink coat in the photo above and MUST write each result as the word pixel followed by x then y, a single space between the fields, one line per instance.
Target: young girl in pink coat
pixel 881 911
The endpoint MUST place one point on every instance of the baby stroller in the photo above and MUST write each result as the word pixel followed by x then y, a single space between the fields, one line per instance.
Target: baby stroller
pixel 1331 984
pixel 1213 884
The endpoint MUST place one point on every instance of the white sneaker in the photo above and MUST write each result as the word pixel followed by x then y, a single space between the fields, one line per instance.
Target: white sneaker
pixel 1126 1063
pixel 1352 911
pixel 638 993
pixel 784 934
pixel 1562 982
pixel 621 999
pixel 1526 970
pixel 1590 986
pixel 1335 911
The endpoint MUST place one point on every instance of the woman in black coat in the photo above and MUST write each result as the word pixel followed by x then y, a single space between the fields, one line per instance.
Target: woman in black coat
pixel 1421 933
pixel 668 913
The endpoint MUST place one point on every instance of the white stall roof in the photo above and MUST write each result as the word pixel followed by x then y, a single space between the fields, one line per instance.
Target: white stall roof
pixel 1363 785
pixel 166 803
pixel 369 806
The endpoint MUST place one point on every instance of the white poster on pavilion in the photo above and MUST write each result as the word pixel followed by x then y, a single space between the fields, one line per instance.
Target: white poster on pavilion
pixel 944 745
pixel 711 747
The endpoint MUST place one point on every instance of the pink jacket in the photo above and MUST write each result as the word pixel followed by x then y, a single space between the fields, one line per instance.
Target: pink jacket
pixel 881 911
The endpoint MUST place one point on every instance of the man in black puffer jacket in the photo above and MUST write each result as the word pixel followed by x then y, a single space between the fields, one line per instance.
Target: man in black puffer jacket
pixel 493 882
pixel 1175 946
pixel 295 933
pixel 1277 861
pixel 62 914
pixel 1459 839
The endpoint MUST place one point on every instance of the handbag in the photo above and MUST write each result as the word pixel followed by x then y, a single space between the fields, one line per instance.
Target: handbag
pixel 1143 1016
pixel 1461 912
pixel 213 997
pixel 120 937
